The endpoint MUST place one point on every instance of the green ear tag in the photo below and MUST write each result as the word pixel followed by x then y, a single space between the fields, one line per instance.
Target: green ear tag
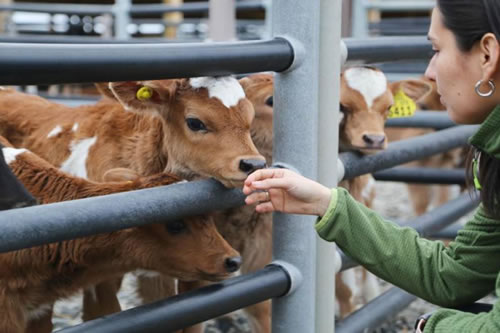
pixel 403 106
pixel 475 172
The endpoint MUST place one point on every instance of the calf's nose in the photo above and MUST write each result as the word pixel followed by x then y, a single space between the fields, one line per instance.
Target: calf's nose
pixel 232 264
pixel 249 166
pixel 374 140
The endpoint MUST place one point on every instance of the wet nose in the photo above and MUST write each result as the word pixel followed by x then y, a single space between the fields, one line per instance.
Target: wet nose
pixel 249 166
pixel 374 140
pixel 232 264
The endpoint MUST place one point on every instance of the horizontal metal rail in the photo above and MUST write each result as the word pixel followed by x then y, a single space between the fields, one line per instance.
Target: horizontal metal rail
pixel 424 119
pixel 194 306
pixel 190 8
pixel 406 150
pixel 77 9
pixel 422 175
pixel 400 6
pixel 73 63
pixel 32 226
pixel 431 222
pixel 383 49
pixel 371 315
pixel 139 9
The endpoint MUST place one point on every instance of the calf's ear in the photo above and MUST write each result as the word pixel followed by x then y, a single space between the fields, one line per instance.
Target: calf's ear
pixel 145 95
pixel 413 88
pixel 119 175
pixel 104 90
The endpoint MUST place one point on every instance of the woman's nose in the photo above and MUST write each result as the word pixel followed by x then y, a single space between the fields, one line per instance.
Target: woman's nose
pixel 430 73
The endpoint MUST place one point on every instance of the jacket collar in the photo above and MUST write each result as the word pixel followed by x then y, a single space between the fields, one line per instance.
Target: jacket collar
pixel 487 138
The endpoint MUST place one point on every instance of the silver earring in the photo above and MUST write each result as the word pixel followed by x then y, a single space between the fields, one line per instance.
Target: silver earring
pixel 486 94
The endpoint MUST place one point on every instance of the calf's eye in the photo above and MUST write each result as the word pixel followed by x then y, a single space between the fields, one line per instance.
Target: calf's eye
pixel 176 227
pixel 195 124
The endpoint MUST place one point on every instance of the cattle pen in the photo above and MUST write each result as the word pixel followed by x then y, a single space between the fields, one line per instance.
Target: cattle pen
pixel 305 43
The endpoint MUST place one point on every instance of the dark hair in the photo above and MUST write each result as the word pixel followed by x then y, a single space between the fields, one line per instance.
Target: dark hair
pixel 489 178
pixel 470 20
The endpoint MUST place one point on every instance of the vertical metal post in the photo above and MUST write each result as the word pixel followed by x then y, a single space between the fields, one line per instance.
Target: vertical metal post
pixel 222 20
pixel 172 18
pixel 330 61
pixel 121 11
pixel 296 143
pixel 359 19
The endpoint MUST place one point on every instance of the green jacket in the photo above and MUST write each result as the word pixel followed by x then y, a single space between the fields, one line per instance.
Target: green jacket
pixel 465 271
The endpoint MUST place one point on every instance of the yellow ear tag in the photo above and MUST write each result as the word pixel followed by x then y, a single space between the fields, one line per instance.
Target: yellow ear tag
pixel 144 93
pixel 403 106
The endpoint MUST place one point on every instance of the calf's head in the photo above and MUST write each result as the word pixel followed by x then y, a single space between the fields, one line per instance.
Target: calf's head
pixel 207 120
pixel 365 100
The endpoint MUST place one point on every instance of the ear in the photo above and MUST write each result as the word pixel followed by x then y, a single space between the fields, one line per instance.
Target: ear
pixel 245 82
pixel 415 89
pixel 119 175
pixel 103 89
pixel 162 93
pixel 489 53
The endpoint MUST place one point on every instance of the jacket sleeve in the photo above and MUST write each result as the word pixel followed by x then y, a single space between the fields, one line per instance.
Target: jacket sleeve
pixel 446 320
pixel 449 276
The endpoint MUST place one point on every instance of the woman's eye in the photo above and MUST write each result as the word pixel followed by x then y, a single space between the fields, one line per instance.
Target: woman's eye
pixel 195 124
pixel 269 101
pixel 175 227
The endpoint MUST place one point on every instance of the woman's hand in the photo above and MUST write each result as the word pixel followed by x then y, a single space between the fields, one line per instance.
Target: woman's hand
pixel 285 191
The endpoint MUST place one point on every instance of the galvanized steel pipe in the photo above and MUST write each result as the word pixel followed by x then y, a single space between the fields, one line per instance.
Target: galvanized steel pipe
pixel 195 306
pixel 407 150
pixel 426 119
pixel 422 175
pixel 72 63
pixel 32 226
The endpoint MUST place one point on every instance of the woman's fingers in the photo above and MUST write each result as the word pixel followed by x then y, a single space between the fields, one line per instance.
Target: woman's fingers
pixel 264 174
pixel 257 197
pixel 265 207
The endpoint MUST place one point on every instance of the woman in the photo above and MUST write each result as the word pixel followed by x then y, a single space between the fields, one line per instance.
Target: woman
pixel 465 35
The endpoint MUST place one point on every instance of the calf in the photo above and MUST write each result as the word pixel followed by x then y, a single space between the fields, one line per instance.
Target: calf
pixel 198 127
pixel 365 100
pixel 31 280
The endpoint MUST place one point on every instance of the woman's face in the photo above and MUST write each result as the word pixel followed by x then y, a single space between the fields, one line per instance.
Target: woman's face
pixel 456 73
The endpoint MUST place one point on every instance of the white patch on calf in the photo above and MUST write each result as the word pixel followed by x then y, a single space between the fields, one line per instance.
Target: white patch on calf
pixel 370 83
pixel 75 127
pixel 56 130
pixel 367 190
pixel 146 273
pixel 10 154
pixel 227 89
pixel 77 160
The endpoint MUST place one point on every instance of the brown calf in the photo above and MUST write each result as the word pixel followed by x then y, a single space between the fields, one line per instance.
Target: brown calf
pixel 365 100
pixel 31 280
pixel 423 195
pixel 198 127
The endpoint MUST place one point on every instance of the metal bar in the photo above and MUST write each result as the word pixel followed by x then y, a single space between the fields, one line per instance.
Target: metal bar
pixel 383 49
pixel 407 150
pixel 422 175
pixel 424 119
pixel 32 226
pixel 296 144
pixel 222 20
pixel 431 222
pixel 122 18
pixel 329 94
pixel 194 306
pixel 376 312
pixel 401 6
pixel 77 9
pixel 449 232
pixel 190 8
pixel 64 63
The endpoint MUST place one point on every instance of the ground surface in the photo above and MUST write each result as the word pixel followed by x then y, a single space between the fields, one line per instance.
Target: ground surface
pixel 392 201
